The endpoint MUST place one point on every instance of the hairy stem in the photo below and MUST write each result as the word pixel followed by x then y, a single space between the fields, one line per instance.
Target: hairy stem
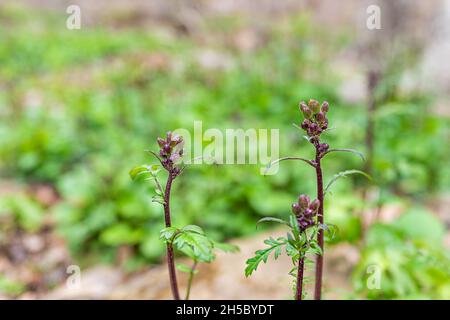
pixel 170 255
pixel 319 257
pixel 301 266
pixel 191 276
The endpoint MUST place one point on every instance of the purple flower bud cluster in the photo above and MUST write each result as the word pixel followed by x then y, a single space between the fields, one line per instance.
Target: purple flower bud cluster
pixel 171 150
pixel 305 210
pixel 316 120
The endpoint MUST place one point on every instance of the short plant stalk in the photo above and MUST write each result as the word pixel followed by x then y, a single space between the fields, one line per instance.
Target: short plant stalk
pixel 319 257
pixel 170 255
pixel 191 277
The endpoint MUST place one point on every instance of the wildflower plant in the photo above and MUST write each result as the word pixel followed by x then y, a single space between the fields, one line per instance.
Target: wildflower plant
pixel 190 240
pixel 308 216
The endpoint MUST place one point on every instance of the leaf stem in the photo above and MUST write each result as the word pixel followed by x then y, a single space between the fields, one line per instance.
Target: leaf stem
pixel 191 276
pixel 170 255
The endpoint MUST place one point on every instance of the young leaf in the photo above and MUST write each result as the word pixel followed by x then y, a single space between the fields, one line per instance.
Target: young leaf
pixel 201 246
pixel 347 150
pixel 294 226
pixel 263 255
pixel 143 169
pixel 287 158
pixel 344 174
pixel 168 233
pixel 193 228
pixel 271 219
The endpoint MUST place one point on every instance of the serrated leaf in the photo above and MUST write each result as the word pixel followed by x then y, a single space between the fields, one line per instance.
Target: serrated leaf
pixel 168 233
pixel 263 255
pixel 193 228
pixel 202 247
pixel 344 174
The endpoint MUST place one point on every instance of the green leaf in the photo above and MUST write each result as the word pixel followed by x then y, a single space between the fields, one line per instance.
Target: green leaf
pixel 294 226
pixel 144 169
pixel 330 229
pixel 347 150
pixel 193 228
pixel 202 247
pixel 262 255
pixel 315 248
pixel 168 233
pixel 292 252
pixel 284 159
pixel 184 268
pixel 271 219
pixel 344 174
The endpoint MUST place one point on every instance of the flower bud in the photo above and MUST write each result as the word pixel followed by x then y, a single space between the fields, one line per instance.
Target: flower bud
pixel 296 208
pixel 305 124
pixel 307 113
pixel 167 148
pixel 314 206
pixel 313 129
pixel 325 107
pixel 309 213
pixel 161 142
pixel 303 201
pixel 314 105
pixel 320 117
pixel 175 140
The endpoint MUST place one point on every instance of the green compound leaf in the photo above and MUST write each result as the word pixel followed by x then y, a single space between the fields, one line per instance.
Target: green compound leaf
pixel 167 234
pixel 193 228
pixel 200 244
pixel 275 246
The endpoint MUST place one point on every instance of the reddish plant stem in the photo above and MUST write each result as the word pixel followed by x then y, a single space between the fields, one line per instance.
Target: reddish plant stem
pixel 170 255
pixel 301 266
pixel 319 258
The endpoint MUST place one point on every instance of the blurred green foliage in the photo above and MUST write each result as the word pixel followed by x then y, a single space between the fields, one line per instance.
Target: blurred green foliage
pixel 409 258
pixel 78 109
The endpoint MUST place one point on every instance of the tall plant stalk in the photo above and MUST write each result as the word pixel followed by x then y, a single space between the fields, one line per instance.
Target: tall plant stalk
pixel 320 217
pixel 170 255
pixel 306 215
